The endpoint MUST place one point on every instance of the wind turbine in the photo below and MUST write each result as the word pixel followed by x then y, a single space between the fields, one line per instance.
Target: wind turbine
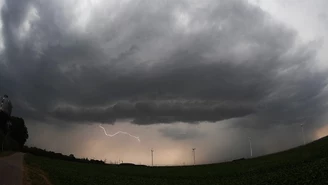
pixel 194 154
pixel 152 157
pixel 250 146
pixel 302 125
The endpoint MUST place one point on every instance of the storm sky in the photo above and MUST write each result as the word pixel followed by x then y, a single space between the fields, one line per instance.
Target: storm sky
pixel 178 74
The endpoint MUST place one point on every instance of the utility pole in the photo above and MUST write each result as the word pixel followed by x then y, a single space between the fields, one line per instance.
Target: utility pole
pixel 194 154
pixel 152 157
pixel 250 146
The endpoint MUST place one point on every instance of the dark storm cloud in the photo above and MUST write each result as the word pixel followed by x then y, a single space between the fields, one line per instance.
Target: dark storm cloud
pixel 230 61
pixel 180 134
pixel 158 112
pixel 13 14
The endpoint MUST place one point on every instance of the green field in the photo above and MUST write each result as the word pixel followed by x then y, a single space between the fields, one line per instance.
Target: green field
pixel 5 153
pixel 302 165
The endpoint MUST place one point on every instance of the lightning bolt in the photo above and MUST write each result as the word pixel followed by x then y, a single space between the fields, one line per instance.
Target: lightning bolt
pixel 119 132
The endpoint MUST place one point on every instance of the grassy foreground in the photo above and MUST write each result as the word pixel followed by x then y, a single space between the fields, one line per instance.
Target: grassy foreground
pixel 6 153
pixel 302 165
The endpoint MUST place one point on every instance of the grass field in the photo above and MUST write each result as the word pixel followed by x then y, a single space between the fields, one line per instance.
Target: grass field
pixel 5 153
pixel 302 165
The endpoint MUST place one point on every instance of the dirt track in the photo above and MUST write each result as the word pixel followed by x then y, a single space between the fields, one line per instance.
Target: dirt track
pixel 11 169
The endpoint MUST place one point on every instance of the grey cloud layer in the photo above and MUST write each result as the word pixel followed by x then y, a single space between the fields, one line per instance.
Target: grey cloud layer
pixel 226 60
pixel 157 112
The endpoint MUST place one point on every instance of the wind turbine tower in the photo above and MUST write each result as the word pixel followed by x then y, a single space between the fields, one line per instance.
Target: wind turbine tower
pixel 152 157
pixel 250 146
pixel 302 126
pixel 194 154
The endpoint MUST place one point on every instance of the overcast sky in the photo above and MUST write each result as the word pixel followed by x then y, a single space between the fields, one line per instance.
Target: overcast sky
pixel 177 74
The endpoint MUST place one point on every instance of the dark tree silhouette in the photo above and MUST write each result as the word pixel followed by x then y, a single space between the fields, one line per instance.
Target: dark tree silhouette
pixel 3 122
pixel 55 155
pixel 18 130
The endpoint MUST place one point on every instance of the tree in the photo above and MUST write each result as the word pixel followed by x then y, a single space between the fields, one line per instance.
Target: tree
pixel 71 156
pixel 18 130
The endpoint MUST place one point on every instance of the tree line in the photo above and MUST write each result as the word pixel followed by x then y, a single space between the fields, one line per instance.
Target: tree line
pixel 16 135
pixel 54 155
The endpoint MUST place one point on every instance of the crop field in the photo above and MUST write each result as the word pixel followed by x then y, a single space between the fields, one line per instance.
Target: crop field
pixel 303 165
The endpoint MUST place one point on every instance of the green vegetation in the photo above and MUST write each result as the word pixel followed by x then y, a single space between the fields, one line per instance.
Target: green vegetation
pixel 303 165
pixel 18 130
pixel 5 153
pixel 15 137
pixel 7 143
pixel 55 155
pixel 34 176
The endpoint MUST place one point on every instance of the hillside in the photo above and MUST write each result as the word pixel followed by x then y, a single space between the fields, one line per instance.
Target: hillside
pixel 302 165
